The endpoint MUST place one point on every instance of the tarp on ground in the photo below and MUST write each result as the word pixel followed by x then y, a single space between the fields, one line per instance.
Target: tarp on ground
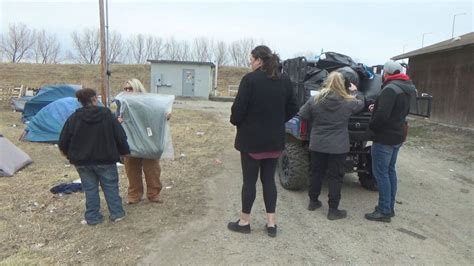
pixel 18 104
pixel 12 158
pixel 47 124
pixel 47 95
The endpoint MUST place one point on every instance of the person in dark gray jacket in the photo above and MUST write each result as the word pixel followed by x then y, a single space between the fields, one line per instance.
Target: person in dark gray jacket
pixel 329 112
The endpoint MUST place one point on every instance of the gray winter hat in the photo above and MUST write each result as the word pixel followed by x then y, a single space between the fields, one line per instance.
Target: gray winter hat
pixel 390 67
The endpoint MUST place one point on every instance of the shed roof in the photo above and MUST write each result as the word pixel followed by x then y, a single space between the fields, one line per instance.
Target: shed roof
pixel 182 62
pixel 457 42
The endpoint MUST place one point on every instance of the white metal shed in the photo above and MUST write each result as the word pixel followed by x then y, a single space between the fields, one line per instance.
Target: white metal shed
pixel 182 78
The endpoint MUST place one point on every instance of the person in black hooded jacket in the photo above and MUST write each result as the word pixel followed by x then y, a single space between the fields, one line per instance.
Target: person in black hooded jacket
pixel 93 140
pixel 388 124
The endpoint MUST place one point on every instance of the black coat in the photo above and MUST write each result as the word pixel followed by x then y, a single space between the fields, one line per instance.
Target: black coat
pixel 260 110
pixel 390 111
pixel 92 136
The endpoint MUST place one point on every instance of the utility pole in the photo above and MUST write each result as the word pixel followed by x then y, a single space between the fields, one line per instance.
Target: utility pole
pixel 107 48
pixel 454 20
pixel 103 55
pixel 423 39
pixel 215 84
pixel 405 45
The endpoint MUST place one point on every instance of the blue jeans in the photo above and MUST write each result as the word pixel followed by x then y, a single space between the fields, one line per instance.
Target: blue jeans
pixel 107 176
pixel 384 158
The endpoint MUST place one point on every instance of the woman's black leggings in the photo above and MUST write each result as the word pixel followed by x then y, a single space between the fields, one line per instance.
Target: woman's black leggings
pixel 250 169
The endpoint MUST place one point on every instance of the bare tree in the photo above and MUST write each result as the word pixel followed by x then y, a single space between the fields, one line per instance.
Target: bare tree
pixel 202 50
pixel 86 46
pixel 148 46
pixel 47 48
pixel 157 48
pixel 235 52
pixel 137 49
pixel 17 43
pixel 221 54
pixel 184 51
pixel 171 49
pixel 247 45
pixel 154 47
pixel 116 47
pixel 240 50
pixel 177 50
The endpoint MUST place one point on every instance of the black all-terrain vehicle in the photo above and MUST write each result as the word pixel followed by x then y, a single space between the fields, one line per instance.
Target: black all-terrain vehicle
pixel 307 78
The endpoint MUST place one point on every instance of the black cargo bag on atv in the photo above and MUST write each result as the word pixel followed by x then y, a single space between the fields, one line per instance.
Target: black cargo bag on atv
pixel 331 61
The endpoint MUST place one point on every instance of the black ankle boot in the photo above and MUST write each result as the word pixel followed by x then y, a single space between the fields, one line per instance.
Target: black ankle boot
pixel 335 214
pixel 313 205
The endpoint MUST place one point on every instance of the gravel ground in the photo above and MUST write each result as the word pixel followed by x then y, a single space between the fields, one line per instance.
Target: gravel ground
pixel 433 223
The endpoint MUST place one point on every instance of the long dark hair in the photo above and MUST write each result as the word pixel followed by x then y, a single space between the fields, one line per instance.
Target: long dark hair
pixel 271 61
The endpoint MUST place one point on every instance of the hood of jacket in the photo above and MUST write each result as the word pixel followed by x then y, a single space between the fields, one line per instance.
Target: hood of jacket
pixel 406 85
pixel 92 114
pixel 332 102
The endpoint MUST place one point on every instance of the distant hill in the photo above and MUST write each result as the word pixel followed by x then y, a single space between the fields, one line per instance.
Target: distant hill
pixel 37 75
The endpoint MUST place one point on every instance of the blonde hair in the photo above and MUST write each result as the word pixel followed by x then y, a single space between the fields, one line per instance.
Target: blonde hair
pixel 136 85
pixel 334 83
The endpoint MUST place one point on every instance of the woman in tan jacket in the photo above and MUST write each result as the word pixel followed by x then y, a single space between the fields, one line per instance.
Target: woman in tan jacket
pixel 134 166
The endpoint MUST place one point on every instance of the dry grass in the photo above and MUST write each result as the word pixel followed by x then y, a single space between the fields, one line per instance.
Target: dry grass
pixel 37 227
pixel 448 142
pixel 37 75
pixel 229 76
pixel 41 228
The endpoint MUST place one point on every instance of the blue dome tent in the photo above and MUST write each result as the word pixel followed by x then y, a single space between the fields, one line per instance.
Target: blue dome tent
pixel 47 124
pixel 47 95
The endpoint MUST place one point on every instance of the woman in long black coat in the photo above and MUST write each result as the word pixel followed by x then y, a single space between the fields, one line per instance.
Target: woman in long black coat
pixel 265 101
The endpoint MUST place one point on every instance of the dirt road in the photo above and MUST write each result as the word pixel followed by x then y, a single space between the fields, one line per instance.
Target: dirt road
pixel 433 223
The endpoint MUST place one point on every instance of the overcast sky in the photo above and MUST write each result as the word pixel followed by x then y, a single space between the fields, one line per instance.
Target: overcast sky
pixel 370 31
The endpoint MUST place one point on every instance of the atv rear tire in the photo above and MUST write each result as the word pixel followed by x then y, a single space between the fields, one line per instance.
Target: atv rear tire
pixel 367 179
pixel 293 166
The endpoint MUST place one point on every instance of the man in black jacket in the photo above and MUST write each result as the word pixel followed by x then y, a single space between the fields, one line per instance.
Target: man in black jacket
pixel 388 123
pixel 93 141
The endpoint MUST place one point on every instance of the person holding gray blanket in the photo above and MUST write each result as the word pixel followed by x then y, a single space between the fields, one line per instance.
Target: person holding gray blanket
pixel 134 166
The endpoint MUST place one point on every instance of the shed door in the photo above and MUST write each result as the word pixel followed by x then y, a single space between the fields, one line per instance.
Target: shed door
pixel 188 82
